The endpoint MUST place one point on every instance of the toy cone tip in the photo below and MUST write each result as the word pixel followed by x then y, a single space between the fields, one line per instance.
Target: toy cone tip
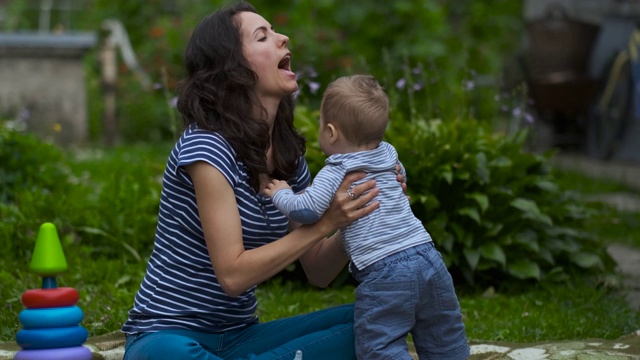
pixel 48 257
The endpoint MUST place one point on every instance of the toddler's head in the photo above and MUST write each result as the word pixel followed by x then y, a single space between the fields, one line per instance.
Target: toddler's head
pixel 358 107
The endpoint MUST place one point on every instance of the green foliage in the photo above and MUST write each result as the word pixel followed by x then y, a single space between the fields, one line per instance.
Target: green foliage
pixel 106 221
pixel 493 209
pixel 28 163
pixel 31 172
pixel 115 204
pixel 453 44
pixel 109 200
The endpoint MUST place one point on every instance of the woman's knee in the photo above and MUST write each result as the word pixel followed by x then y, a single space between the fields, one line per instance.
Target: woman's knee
pixel 166 346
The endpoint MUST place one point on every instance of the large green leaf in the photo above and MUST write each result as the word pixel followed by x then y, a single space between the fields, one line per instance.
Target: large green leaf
pixel 586 260
pixel 471 213
pixel 530 208
pixel 472 256
pixel 529 239
pixel 493 251
pixel 524 269
pixel 482 169
pixel 481 199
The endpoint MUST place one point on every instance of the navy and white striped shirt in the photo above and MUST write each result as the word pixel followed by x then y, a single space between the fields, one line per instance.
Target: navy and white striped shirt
pixel 391 228
pixel 180 289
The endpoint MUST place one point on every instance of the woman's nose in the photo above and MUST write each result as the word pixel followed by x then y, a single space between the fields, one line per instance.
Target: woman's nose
pixel 285 40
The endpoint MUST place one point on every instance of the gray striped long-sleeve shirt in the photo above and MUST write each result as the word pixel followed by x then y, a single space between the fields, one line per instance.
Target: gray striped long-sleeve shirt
pixel 390 228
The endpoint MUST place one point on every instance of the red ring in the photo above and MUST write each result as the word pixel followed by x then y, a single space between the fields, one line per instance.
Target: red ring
pixel 46 298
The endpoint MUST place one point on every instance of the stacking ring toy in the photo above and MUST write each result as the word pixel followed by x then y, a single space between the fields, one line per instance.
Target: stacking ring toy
pixel 51 317
pixel 51 338
pixel 70 353
pixel 46 298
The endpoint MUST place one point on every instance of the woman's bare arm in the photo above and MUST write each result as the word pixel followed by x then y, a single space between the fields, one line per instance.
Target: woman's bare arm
pixel 238 269
pixel 324 261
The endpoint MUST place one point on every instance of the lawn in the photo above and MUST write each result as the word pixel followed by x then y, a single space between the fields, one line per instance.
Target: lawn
pixel 107 275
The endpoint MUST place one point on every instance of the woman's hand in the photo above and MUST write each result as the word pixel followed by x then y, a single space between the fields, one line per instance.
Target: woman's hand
pixel 401 180
pixel 344 208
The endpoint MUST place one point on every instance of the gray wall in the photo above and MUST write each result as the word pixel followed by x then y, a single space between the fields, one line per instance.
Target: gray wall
pixel 42 77
pixel 591 11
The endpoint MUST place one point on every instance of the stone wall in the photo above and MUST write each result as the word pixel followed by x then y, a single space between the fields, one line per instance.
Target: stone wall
pixel 42 83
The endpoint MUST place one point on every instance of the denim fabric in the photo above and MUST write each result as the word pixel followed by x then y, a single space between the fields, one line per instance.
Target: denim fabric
pixel 321 335
pixel 408 292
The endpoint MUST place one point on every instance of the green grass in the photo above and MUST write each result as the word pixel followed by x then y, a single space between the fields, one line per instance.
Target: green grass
pixel 107 276
pixel 578 310
pixel 577 182
pixel 614 225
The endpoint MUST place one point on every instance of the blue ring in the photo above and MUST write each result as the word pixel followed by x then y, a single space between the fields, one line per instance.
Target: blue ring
pixel 51 317
pixel 69 353
pixel 51 338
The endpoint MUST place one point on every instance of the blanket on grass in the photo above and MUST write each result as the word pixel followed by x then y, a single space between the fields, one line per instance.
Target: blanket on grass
pixel 111 347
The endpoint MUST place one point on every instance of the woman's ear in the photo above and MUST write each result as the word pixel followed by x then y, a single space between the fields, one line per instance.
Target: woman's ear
pixel 333 133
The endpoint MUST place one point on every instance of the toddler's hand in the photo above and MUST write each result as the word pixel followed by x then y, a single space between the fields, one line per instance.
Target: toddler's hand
pixel 274 186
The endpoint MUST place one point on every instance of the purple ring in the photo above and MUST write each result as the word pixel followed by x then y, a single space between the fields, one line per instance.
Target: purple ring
pixel 70 353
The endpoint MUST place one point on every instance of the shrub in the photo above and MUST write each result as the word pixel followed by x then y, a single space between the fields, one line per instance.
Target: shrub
pixel 28 163
pixel 493 209
pixel 32 173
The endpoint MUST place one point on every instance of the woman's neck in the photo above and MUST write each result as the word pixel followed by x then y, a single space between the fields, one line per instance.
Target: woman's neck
pixel 271 107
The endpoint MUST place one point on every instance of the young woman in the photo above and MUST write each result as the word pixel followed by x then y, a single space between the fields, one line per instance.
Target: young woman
pixel 217 238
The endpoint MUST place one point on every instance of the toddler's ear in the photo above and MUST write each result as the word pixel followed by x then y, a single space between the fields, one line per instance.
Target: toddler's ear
pixel 333 133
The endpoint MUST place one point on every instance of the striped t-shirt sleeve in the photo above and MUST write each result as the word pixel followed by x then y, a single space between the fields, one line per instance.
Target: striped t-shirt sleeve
pixel 210 148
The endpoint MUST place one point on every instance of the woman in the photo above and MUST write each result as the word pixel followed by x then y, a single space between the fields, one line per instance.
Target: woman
pixel 216 238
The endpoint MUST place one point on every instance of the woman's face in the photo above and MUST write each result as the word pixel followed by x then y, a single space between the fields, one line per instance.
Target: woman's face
pixel 267 52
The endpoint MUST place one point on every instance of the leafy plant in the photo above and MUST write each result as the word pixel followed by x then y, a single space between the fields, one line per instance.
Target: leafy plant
pixel 106 217
pixel 493 210
pixel 28 163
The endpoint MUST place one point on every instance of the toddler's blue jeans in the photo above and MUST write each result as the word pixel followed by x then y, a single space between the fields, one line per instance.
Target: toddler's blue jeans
pixel 410 291
pixel 321 335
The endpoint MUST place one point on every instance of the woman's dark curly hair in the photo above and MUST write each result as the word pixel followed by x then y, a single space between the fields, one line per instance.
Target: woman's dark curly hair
pixel 218 95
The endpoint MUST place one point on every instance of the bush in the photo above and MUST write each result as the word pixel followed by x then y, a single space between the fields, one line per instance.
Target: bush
pixel 28 163
pixel 494 210
pixel 454 44
pixel 31 175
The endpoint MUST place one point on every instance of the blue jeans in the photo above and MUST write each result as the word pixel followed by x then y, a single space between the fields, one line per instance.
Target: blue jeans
pixel 321 335
pixel 408 292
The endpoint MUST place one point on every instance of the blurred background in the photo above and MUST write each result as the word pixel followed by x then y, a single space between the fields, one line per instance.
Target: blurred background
pixel 100 71
pixel 484 96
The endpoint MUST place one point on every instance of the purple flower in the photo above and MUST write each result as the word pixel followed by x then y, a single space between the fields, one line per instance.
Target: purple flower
pixel 312 72
pixel 173 102
pixel 401 83
pixel 529 118
pixel 313 86
pixel 307 71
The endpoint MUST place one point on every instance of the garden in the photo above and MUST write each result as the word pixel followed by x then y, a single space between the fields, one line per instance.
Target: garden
pixel 526 250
